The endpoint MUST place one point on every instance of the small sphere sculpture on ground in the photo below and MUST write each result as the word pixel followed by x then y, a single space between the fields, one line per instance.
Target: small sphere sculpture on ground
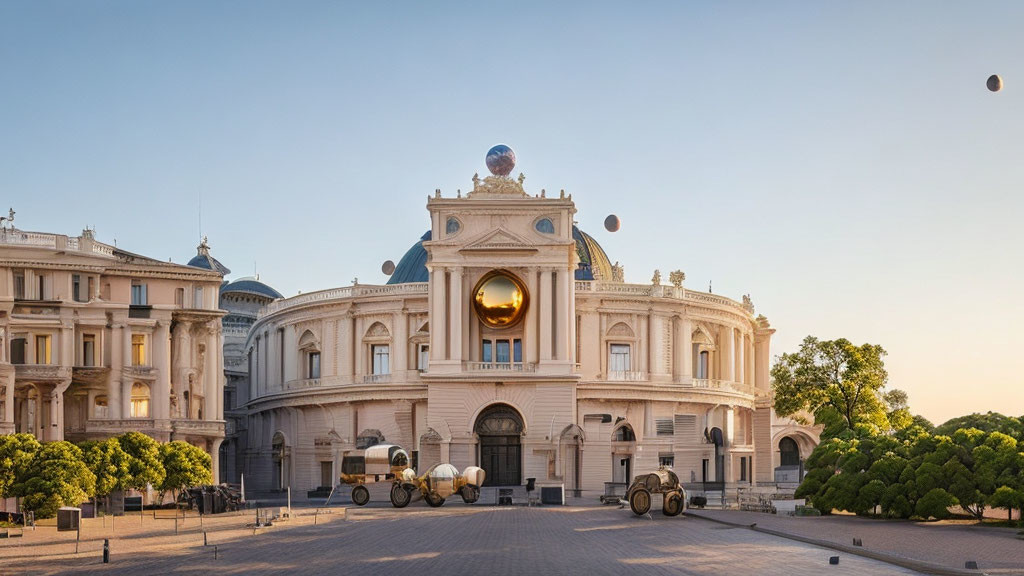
pixel 995 83
pixel 501 160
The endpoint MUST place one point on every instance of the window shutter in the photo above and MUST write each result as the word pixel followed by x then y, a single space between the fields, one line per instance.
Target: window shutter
pixel 665 427
pixel 686 427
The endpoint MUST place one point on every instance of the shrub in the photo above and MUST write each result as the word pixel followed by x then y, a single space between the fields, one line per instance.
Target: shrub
pixel 935 504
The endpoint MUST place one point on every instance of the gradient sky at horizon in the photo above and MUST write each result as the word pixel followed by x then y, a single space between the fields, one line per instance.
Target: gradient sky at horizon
pixel 841 162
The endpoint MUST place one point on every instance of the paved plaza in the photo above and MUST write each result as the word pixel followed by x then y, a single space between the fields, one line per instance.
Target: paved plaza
pixel 456 539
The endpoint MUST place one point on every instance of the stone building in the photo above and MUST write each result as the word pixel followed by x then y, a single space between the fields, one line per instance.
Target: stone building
pixel 96 341
pixel 505 338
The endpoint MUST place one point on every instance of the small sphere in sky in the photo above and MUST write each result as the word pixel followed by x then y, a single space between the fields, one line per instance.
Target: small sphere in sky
pixel 388 268
pixel 612 223
pixel 501 160
pixel 995 83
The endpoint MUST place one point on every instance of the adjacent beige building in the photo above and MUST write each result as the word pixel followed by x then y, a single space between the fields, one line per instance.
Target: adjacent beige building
pixel 96 341
pixel 507 339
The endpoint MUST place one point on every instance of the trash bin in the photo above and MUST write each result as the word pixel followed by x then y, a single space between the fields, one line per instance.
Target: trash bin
pixel 68 519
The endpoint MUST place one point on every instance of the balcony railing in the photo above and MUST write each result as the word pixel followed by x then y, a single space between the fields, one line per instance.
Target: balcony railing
pixel 499 367
pixel 627 375
pixel 376 378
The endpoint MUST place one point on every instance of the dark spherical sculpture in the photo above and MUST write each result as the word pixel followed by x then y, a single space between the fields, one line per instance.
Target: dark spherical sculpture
pixel 388 268
pixel 995 83
pixel 501 160
pixel 612 223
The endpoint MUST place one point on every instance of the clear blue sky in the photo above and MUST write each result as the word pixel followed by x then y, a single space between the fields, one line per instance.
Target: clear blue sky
pixel 841 162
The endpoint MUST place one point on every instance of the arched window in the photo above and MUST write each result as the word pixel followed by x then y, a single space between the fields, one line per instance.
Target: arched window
pixel 624 433
pixel 309 347
pixel 789 452
pixel 140 400
pixel 100 408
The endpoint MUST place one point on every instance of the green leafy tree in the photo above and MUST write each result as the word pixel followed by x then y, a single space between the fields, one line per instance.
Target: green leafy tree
pixel 1008 498
pixel 110 463
pixel 144 465
pixel 57 477
pixel 16 454
pixel 830 378
pixel 935 504
pixel 988 422
pixel 185 465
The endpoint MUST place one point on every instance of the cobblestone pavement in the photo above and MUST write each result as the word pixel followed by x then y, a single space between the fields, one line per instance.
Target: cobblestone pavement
pixel 420 540
pixel 996 550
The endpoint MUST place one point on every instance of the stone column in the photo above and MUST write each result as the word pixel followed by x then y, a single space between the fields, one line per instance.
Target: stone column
pixel 160 398
pixel 210 378
pixel 114 379
pixel 684 349
pixel 358 354
pixel 748 360
pixel 570 290
pixel 438 335
pixel 7 381
pixel 126 380
pixel 762 351
pixel 455 315
pixel 218 336
pixel 66 351
pixel 181 353
pixel 401 344
pixel 215 458
pixel 654 337
pixel 530 342
pixel 347 327
pixel 741 368
pixel 725 350
pixel 563 342
pixel 544 302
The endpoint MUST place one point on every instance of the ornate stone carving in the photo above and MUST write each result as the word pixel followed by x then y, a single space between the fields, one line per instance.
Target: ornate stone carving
pixel 656 280
pixel 621 329
pixel 748 304
pixel 676 277
pixel 497 186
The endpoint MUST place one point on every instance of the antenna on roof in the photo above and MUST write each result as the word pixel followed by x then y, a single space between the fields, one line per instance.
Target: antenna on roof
pixel 199 199
pixel 709 286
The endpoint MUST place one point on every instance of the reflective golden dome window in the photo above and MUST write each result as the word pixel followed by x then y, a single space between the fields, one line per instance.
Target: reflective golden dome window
pixel 499 299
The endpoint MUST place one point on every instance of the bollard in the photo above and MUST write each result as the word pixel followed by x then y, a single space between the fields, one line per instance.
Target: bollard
pixel 857 542
pixel 204 538
pixel 971 565
pixel 175 523
pixel 833 560
pixel 214 552
pixel 106 551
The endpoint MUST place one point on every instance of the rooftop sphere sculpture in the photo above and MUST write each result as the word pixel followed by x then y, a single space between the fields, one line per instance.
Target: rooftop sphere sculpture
pixel 501 160
pixel 612 223
pixel 995 83
pixel 388 267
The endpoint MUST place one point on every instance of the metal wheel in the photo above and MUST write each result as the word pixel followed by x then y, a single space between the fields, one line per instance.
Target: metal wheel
pixel 434 501
pixel 640 501
pixel 360 495
pixel 400 497
pixel 673 504
pixel 470 494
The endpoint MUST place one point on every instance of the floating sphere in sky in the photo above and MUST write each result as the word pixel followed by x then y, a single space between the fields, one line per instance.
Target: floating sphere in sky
pixel 501 160
pixel 995 83
pixel 388 268
pixel 612 223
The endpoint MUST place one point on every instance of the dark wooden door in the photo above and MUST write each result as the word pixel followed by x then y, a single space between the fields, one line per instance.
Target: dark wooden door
pixel 500 457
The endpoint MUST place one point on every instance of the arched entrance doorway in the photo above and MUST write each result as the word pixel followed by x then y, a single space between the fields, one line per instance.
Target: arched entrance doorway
pixel 500 429
pixel 789 452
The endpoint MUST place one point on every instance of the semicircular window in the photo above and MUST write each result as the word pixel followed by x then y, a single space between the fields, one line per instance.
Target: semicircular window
pixel 452 226
pixel 545 226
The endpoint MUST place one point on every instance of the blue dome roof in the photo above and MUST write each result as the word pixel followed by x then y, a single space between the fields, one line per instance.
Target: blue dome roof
pixel 202 259
pixel 594 263
pixel 251 285
pixel 413 266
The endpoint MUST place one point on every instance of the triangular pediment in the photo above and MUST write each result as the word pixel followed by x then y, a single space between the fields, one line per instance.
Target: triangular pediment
pixel 500 239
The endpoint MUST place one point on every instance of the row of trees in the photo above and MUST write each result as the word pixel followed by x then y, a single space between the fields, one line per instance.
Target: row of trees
pixel 53 474
pixel 876 457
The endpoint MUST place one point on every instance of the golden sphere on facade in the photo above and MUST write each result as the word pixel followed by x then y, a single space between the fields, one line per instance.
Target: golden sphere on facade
pixel 499 299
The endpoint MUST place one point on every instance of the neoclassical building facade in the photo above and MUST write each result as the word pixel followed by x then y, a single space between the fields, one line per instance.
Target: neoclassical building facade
pixel 506 338
pixel 96 341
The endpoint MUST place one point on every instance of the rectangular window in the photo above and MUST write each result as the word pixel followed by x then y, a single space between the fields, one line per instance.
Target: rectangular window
pixel 18 346
pixel 664 427
pixel 41 294
pixel 19 285
pixel 76 287
pixel 197 297
pixel 381 359
pixel 502 351
pixel 140 408
pixel 313 365
pixel 486 352
pixel 101 409
pixel 743 468
pixel 139 294
pixel 42 349
pixel 667 459
pixel 618 358
pixel 179 297
pixel 702 365
pixel 138 349
pixel 91 287
pixel 517 350
pixel 88 350
pixel 424 358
